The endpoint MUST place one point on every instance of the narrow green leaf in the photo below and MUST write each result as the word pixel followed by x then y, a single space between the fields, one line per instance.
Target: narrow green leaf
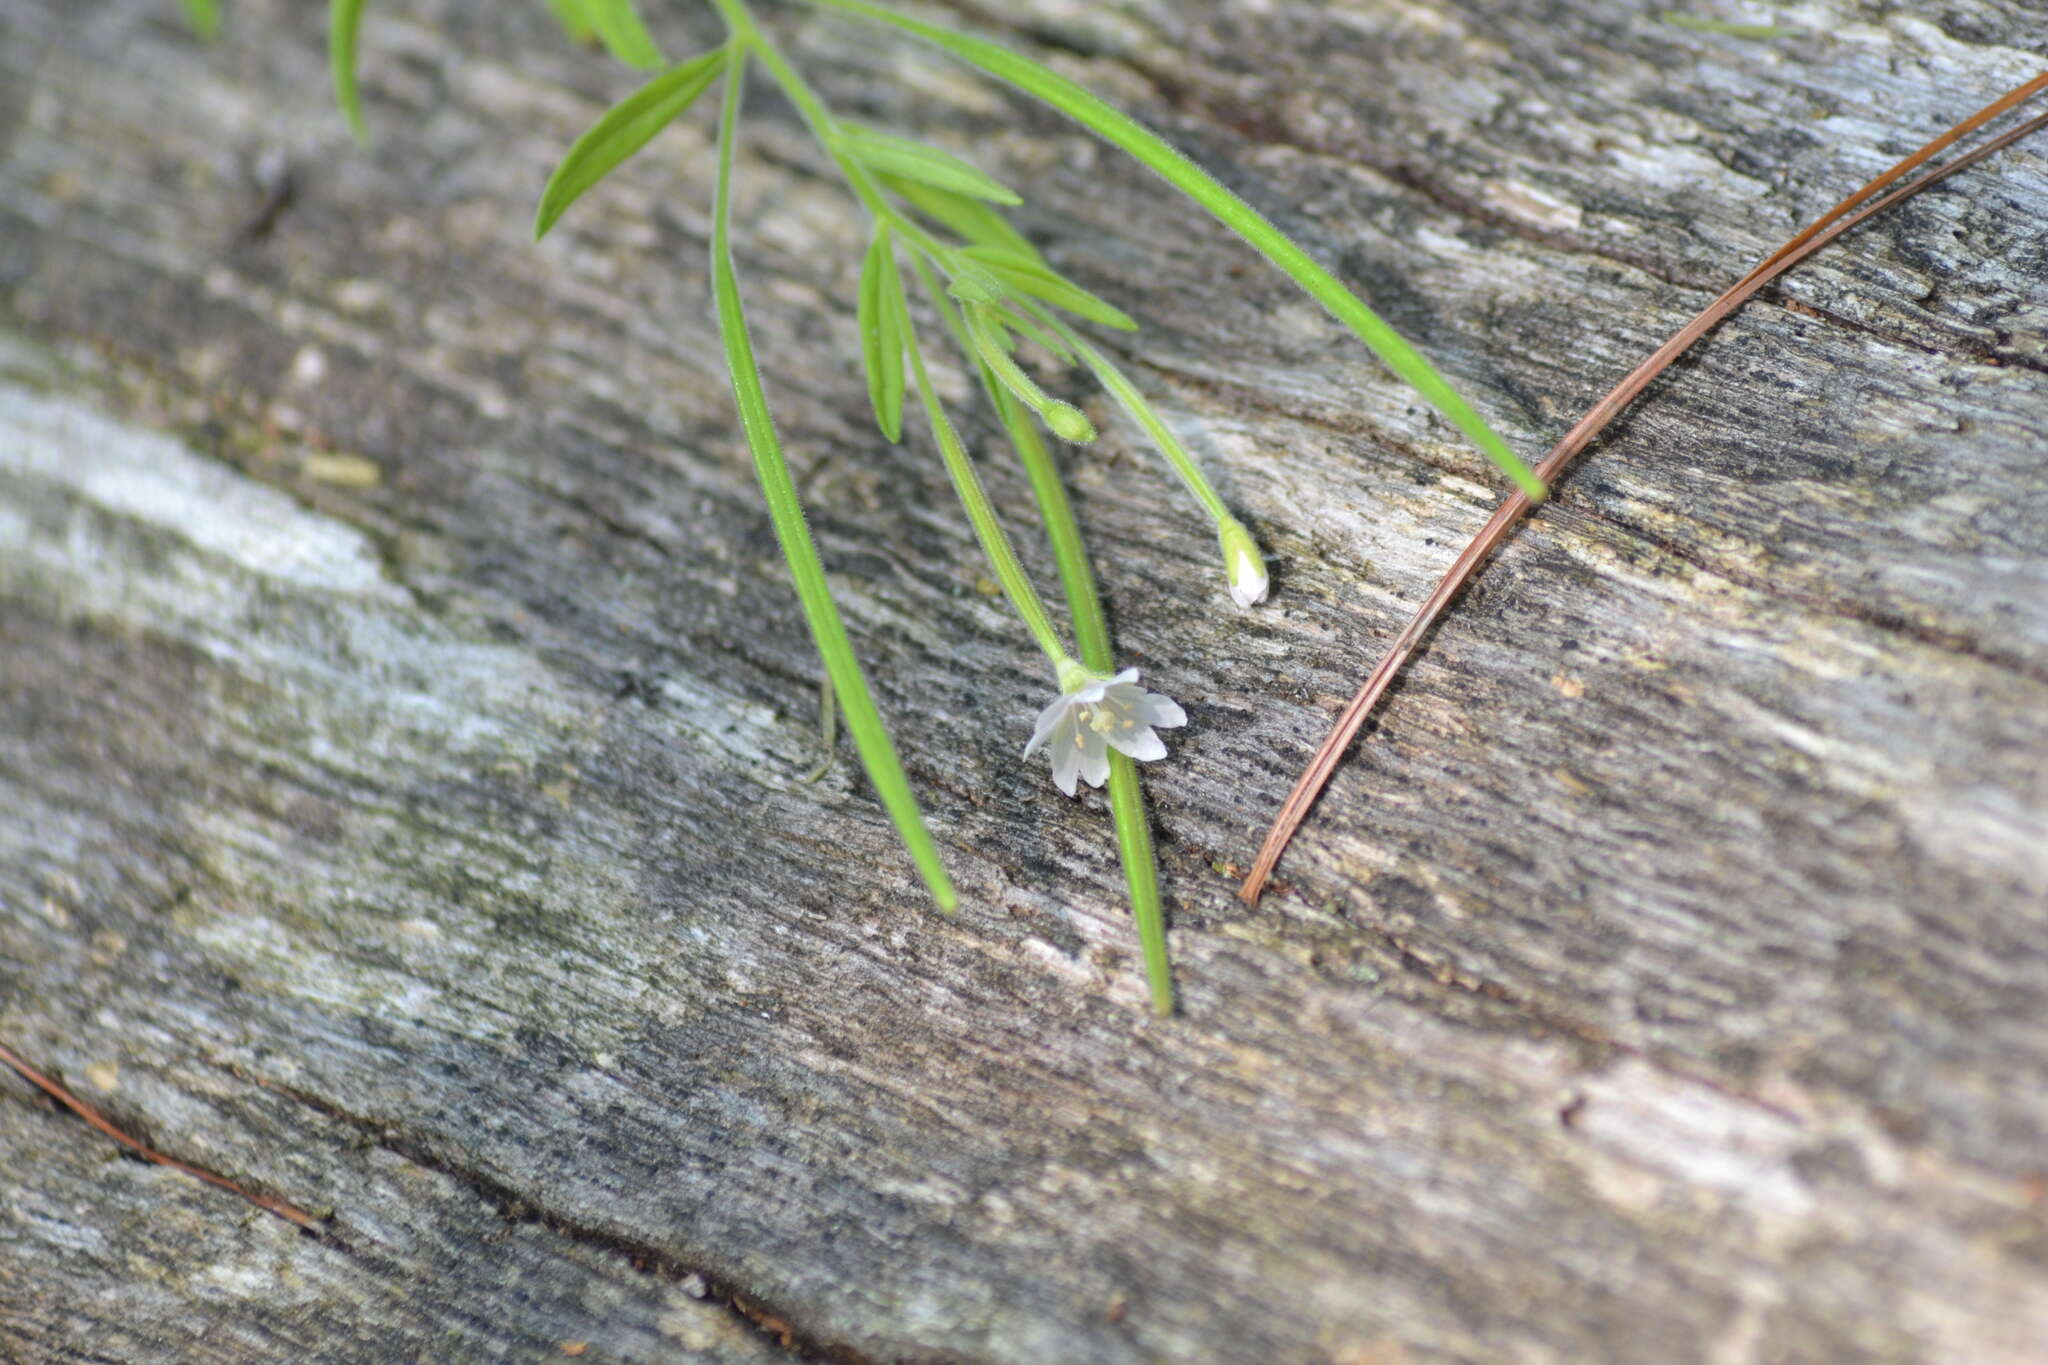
pixel 570 15
pixel 1120 130
pixel 623 130
pixel 203 17
pixel 907 160
pixel 856 703
pixel 342 18
pixel 884 322
pixel 618 26
pixel 1030 275
pixel 974 222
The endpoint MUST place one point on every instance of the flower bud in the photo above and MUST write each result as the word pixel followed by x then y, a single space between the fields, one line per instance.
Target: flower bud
pixel 1068 422
pixel 1243 565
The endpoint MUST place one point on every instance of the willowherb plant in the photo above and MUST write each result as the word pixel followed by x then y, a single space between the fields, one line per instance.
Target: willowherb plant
pixel 990 290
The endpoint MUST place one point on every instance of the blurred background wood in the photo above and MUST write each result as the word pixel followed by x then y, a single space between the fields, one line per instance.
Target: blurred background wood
pixel 405 713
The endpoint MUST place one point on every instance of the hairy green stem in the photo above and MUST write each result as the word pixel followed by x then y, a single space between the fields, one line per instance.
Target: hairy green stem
pixel 1119 387
pixel 981 513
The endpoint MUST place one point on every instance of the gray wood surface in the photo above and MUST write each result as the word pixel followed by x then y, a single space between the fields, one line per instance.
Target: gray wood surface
pixel 1665 978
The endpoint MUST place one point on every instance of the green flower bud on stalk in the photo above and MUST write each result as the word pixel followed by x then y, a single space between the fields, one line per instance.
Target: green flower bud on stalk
pixel 1068 422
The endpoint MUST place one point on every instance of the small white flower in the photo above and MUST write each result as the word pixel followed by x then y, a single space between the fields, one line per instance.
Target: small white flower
pixel 1105 713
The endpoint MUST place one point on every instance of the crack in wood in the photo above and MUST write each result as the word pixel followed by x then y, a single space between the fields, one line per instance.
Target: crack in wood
pixel 515 1205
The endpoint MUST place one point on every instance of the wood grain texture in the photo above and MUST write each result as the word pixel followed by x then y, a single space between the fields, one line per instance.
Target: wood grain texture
pixel 1663 979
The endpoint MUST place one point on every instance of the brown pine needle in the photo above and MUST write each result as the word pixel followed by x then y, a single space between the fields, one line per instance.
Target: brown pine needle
pixel 1836 221
pixel 56 1091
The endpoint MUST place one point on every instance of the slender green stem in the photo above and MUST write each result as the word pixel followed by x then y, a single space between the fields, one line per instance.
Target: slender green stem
pixel 828 731
pixel 824 127
pixel 343 17
pixel 1091 636
pixel 1127 395
pixel 1141 875
pixel 980 512
pixel 1068 422
pixel 990 348
pixel 863 721
pixel 1122 131
pixel 1091 633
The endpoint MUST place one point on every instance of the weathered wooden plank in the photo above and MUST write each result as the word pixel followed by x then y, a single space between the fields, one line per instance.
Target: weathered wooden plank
pixel 1662 980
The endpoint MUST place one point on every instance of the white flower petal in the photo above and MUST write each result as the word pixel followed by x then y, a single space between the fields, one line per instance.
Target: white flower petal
pixel 1080 727
pixel 1163 711
pixel 1095 765
pixel 1140 744
pixel 1048 721
pixel 1066 758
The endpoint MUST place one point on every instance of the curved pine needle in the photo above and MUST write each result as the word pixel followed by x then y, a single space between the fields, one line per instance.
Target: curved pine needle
pixel 1840 219
pixel 291 1213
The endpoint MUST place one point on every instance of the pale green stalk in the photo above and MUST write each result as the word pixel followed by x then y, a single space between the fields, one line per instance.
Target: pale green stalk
pixel 343 18
pixel 1068 422
pixel 1091 634
pixel 739 22
pixel 994 543
pixel 1122 131
pixel 863 721
pixel 1142 412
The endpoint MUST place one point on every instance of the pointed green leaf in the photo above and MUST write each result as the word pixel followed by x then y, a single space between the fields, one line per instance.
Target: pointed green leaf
pixel 908 160
pixel 342 18
pixel 1032 276
pixel 203 16
pixel 970 219
pixel 884 322
pixel 624 36
pixel 785 510
pixel 623 130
